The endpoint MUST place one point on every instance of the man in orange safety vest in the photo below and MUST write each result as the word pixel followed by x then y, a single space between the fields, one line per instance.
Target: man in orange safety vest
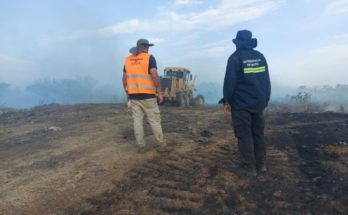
pixel 142 86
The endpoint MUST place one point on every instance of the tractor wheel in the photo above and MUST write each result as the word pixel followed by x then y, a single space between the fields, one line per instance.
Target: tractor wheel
pixel 187 101
pixel 180 99
pixel 199 100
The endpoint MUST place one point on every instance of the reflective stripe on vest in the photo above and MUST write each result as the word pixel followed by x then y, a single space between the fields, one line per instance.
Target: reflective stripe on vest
pixel 137 71
pixel 254 69
pixel 139 76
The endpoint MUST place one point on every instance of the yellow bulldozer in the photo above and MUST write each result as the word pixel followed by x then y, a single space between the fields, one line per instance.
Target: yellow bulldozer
pixel 177 87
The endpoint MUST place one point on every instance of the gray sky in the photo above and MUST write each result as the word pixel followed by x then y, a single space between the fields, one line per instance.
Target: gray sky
pixel 305 41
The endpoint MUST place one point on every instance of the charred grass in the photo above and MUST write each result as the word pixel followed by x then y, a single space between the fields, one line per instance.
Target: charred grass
pixel 203 181
pixel 307 160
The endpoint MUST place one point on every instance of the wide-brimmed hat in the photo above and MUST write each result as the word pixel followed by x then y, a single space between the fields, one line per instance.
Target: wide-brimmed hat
pixel 141 44
pixel 144 42
pixel 244 39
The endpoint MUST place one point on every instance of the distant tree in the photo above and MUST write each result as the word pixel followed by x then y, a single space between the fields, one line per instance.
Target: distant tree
pixel 341 108
pixel 342 87
pixel 3 88
pixel 302 88
pixel 301 98
pixel 70 91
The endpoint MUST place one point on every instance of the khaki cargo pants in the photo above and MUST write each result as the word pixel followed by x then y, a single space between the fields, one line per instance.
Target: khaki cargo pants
pixel 148 107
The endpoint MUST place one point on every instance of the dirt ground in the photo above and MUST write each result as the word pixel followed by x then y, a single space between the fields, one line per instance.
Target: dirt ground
pixel 82 159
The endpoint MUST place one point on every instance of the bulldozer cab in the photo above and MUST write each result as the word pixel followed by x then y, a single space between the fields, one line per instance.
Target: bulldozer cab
pixel 177 86
pixel 178 72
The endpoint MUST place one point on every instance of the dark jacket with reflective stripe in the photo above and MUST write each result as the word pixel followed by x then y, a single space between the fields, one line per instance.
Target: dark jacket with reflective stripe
pixel 247 84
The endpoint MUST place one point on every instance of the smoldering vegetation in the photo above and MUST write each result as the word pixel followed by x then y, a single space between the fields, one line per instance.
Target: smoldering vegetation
pixel 58 91
pixel 301 99
pixel 314 99
pixel 89 90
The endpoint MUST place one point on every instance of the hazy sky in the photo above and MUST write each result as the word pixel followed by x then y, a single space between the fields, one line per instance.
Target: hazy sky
pixel 305 41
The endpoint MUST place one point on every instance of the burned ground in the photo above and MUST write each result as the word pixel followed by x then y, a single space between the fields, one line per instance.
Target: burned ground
pixel 82 160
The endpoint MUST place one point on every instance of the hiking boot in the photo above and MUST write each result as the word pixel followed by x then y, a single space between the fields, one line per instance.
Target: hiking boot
pixel 250 173
pixel 263 168
pixel 162 149
pixel 141 150
pixel 245 170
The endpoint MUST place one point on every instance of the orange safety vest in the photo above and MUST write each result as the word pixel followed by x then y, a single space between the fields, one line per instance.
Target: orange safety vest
pixel 138 77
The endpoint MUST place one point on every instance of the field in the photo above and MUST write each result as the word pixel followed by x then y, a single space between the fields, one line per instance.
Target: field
pixel 82 159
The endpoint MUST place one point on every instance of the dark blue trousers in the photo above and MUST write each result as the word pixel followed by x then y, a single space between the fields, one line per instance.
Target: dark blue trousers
pixel 248 128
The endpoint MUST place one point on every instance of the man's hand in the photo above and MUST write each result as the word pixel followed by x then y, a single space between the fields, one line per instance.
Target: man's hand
pixel 159 98
pixel 227 108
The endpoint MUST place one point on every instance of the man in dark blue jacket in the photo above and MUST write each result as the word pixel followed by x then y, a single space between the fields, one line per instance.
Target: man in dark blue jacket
pixel 246 93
